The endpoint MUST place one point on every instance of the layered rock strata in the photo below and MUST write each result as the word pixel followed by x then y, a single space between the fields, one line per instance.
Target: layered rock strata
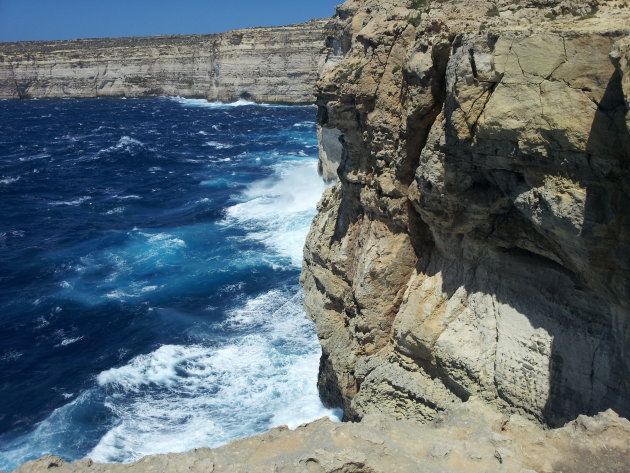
pixel 274 65
pixel 471 438
pixel 477 241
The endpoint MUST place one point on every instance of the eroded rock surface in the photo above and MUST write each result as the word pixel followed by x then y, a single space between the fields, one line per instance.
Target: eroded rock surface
pixel 470 438
pixel 477 241
pixel 274 65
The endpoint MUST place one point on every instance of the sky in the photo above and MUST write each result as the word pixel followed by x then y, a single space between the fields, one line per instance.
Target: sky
pixel 30 20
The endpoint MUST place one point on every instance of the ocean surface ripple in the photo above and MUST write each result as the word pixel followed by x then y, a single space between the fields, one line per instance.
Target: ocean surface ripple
pixel 149 257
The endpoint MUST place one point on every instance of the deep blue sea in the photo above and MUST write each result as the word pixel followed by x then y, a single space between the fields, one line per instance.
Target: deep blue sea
pixel 149 259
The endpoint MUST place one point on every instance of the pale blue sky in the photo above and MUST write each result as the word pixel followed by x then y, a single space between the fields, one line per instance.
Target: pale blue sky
pixel 27 20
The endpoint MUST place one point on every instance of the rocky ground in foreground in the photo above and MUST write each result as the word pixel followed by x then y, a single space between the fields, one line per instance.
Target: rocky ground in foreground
pixel 470 438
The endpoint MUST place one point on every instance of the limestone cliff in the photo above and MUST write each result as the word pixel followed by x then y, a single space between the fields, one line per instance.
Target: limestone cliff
pixel 274 65
pixel 477 241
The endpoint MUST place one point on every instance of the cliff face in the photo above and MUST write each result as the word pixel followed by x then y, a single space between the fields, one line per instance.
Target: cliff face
pixel 477 241
pixel 275 65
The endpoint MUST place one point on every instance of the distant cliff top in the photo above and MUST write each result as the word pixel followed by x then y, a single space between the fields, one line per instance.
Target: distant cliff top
pixel 147 41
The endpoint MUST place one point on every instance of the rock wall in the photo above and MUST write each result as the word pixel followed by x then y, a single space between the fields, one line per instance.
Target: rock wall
pixel 274 65
pixel 477 242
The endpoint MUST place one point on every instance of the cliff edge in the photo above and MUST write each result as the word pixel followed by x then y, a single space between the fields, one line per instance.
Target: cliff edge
pixel 471 438
pixel 269 64
pixel 477 241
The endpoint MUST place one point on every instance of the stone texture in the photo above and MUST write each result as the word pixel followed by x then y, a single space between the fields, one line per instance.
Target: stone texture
pixel 477 242
pixel 469 438
pixel 274 65
pixel 621 57
pixel 330 149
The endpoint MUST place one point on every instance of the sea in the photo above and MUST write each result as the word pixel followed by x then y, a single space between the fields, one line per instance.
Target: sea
pixel 150 252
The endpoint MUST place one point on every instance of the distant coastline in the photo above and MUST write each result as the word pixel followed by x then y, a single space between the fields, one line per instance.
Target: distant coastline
pixel 276 65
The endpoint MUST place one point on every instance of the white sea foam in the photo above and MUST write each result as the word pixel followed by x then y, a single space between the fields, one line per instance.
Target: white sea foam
pixel 134 290
pixel 218 104
pixel 180 397
pixel 159 368
pixel 166 241
pixel 217 145
pixel 68 341
pixel 118 295
pixel 232 288
pixel 73 202
pixel 115 211
pixel 12 233
pixel 10 356
pixel 125 143
pixel 42 322
pixel 207 104
pixel 9 180
pixel 34 157
pixel 277 211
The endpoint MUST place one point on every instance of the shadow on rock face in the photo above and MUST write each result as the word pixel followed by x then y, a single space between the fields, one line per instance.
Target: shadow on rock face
pixel 538 241
pixel 504 275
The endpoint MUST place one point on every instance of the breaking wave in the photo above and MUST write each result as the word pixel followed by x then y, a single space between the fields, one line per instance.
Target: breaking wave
pixel 203 103
pixel 182 396
pixel 152 271
pixel 277 211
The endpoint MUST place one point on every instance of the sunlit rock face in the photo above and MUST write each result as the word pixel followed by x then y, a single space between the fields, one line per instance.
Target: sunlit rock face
pixel 477 241
pixel 274 65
